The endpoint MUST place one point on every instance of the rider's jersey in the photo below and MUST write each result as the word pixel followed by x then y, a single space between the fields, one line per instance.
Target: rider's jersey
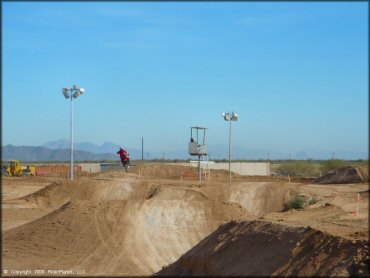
pixel 123 154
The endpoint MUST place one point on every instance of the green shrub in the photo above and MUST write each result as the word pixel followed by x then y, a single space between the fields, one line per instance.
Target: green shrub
pixel 297 202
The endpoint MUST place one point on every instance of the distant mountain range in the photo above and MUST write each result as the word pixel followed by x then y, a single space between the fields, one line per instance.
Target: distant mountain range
pixel 30 153
pixel 107 147
pixel 59 151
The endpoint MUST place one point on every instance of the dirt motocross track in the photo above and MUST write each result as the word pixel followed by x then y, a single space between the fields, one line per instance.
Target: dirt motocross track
pixel 152 222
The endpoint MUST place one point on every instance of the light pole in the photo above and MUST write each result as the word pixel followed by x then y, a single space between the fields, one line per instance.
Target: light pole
pixel 230 117
pixel 72 93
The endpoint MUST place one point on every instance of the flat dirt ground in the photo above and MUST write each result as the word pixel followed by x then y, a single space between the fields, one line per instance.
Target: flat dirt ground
pixel 151 221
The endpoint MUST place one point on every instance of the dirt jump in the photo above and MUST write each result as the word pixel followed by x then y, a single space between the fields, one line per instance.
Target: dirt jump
pixel 349 174
pixel 150 222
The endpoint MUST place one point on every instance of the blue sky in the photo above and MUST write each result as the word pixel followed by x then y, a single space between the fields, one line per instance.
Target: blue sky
pixel 296 73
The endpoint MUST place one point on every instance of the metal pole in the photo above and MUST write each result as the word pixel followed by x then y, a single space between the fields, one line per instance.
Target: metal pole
pixel 71 137
pixel 142 148
pixel 230 153
pixel 199 170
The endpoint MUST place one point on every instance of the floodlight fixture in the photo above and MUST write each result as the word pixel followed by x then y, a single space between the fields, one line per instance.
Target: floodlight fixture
pixel 234 116
pixel 76 94
pixel 65 93
pixel 226 116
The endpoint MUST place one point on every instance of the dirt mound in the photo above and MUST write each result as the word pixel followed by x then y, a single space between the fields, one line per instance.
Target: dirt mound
pixel 116 227
pixel 46 191
pixel 97 189
pixel 260 248
pixel 51 239
pixel 348 174
pixel 53 195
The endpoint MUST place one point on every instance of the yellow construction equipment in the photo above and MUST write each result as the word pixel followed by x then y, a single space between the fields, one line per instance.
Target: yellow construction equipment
pixel 13 168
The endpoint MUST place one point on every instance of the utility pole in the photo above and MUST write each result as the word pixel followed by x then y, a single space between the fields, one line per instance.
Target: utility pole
pixel 268 156
pixel 333 155
pixel 142 148
pixel 163 158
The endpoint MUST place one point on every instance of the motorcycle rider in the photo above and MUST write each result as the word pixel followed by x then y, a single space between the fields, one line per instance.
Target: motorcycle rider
pixel 125 157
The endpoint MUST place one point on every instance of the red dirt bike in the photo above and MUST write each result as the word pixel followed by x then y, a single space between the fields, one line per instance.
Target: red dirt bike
pixel 126 163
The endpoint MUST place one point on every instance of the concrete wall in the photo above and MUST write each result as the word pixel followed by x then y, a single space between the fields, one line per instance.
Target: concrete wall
pixel 90 167
pixel 111 166
pixel 241 168
pixel 245 168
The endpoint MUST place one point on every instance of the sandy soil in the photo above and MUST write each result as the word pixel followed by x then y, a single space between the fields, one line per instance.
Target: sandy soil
pixel 261 248
pixel 334 211
pixel 115 223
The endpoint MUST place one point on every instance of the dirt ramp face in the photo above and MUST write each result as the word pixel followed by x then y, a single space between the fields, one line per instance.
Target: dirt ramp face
pixel 349 174
pixel 167 223
pixel 263 249
pixel 257 198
